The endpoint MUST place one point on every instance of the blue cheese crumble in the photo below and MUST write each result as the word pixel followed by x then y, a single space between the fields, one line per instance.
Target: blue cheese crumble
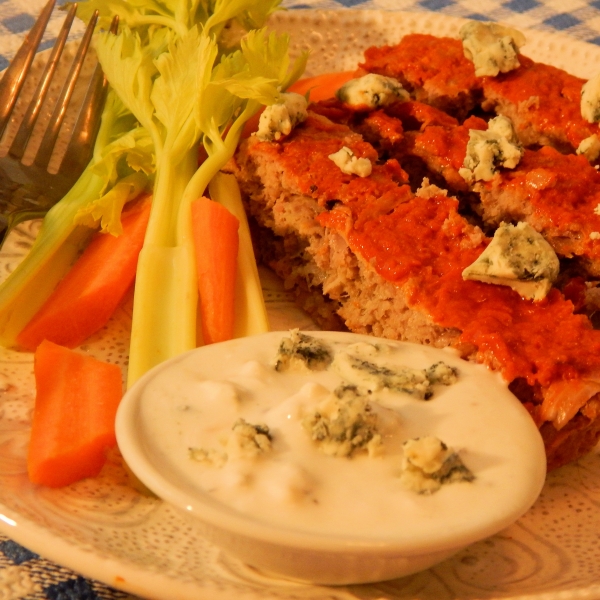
pixel 518 257
pixel 278 120
pixel 302 352
pixel 351 164
pixel 209 456
pixel 498 146
pixel 247 441
pixel 590 147
pixel 372 377
pixel 342 423
pixel 427 464
pixel 590 99
pixel 441 373
pixel 493 48
pixel 372 91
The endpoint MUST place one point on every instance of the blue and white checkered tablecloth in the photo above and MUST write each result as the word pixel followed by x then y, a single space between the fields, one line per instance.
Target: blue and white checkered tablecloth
pixel 27 576
pixel 577 18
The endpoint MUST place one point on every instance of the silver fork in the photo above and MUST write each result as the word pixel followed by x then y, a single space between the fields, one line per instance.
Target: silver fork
pixel 28 190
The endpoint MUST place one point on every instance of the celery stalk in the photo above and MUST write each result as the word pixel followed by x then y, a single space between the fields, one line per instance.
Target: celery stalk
pixel 166 290
pixel 183 93
pixel 106 181
pixel 174 88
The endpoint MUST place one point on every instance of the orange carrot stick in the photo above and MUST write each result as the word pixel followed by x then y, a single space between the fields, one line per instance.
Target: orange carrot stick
pixel 216 243
pixel 90 292
pixel 321 87
pixel 74 416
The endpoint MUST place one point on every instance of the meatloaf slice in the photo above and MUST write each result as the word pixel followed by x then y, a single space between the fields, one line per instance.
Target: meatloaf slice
pixel 433 69
pixel 557 194
pixel 389 263
pixel 542 101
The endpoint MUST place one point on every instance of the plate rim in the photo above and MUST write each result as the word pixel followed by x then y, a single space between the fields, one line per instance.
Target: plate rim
pixel 126 576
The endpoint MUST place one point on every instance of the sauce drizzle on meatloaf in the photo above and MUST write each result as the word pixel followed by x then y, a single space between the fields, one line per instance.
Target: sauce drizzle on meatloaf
pixel 542 101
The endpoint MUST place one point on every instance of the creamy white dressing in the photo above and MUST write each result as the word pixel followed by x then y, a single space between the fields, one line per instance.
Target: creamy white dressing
pixel 194 402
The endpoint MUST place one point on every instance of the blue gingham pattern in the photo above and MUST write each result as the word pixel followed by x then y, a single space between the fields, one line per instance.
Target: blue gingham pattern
pixel 579 19
pixel 25 575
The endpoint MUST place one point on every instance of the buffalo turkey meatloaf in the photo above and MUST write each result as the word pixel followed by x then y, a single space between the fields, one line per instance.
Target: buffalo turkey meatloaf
pixel 384 254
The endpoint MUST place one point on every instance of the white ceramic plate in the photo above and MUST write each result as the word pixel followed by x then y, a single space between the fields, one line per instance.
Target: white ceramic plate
pixel 108 531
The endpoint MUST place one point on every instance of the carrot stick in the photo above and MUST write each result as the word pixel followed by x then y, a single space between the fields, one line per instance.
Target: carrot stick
pixel 73 420
pixel 321 87
pixel 216 243
pixel 90 292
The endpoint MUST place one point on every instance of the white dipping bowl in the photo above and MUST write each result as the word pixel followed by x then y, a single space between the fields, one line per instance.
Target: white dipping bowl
pixel 369 536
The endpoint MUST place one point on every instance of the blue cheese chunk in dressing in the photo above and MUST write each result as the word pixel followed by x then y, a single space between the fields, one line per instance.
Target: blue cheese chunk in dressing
pixel 493 48
pixel 343 423
pixel 351 164
pixel 372 91
pixel 364 373
pixel 518 257
pixel 498 146
pixel 428 464
pixel 301 352
pixel 278 120
pixel 248 440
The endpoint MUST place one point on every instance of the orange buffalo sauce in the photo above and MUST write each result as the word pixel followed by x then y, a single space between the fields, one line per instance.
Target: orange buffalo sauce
pixel 306 159
pixel 564 193
pixel 437 64
pixel 553 95
pixel 426 244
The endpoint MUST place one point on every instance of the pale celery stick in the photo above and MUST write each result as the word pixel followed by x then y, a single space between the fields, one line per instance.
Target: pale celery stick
pixel 52 254
pixel 166 288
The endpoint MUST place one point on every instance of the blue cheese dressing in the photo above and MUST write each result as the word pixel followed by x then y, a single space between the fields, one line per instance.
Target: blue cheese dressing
pixel 339 434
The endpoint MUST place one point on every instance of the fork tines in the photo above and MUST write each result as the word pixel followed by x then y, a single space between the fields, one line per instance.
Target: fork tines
pixel 27 189
pixel 16 75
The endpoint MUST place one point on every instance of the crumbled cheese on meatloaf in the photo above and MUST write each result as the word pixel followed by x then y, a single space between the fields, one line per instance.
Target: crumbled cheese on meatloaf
pixel 493 48
pixel 278 120
pixel 590 147
pixel 590 99
pixel 498 146
pixel 351 164
pixel 372 91
pixel 519 257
